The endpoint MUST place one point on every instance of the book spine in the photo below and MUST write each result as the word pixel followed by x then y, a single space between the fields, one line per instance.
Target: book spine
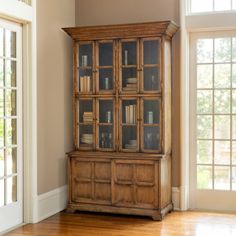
pixel 131 118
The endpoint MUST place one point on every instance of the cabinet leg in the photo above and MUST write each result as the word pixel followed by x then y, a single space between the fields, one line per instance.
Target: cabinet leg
pixel 70 210
pixel 157 217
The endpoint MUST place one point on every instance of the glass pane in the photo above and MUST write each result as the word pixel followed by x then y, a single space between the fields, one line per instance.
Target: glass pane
pixel 152 138
pixel 222 48
pixel 86 136
pixel 10 74
pixel 10 102
pixel 222 152
pixel 222 76
pixel 234 127
pixel 234 47
pixel 1 41
pixel 234 152
pixel 222 178
pixel 222 101
pixel 129 137
pixel 204 177
pixel 204 48
pixel 234 75
pixel 85 111
pixel 234 178
pixel 105 136
pixel 105 54
pixel 204 101
pixel 105 79
pixel 85 81
pixel 151 113
pixel 1 73
pixel 2 162
pixel 151 80
pixel 85 55
pixel 11 161
pixel 222 127
pixel 204 76
pixel 129 53
pixel 10 132
pixel 224 5
pixel 151 51
pixel 204 152
pixel 129 112
pixel 11 190
pixel 2 126
pixel 233 101
pixel 2 103
pixel 129 79
pixel 106 111
pixel 2 191
pixel 204 127
pixel 10 43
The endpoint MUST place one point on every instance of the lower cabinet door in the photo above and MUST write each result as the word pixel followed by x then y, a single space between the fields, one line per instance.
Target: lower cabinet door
pixel 90 181
pixel 135 183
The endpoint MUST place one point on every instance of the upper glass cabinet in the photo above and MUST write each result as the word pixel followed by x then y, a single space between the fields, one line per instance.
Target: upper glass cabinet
pixel 105 62
pixel 151 65
pixel 129 59
pixel 85 62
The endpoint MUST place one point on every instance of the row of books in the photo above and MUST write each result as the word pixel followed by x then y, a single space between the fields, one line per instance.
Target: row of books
pixel 130 114
pixel 85 84
pixel 87 116
pixel 131 84
pixel 87 138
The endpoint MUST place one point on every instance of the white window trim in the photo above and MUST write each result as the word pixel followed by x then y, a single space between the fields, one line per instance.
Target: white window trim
pixel 26 15
pixel 193 23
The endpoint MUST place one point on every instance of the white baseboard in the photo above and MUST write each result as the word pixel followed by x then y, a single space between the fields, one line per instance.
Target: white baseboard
pixel 52 202
pixel 176 198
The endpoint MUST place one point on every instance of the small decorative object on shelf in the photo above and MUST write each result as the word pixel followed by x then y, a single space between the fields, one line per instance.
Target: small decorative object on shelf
pixel 122 119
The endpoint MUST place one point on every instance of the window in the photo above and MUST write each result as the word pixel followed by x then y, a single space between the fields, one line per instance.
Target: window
pixel 26 1
pixel 197 6
pixel 216 113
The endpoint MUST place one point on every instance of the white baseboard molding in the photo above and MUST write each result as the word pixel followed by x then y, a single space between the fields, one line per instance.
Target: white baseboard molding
pixel 176 198
pixel 52 202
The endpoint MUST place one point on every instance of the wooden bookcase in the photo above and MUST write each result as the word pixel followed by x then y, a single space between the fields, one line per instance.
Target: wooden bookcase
pixel 121 162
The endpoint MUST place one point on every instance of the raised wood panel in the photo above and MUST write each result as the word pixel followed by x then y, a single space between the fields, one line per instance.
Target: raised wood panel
pixel 102 192
pixel 124 195
pixel 102 171
pixel 81 169
pixel 145 197
pixel 145 173
pixel 81 190
pixel 124 172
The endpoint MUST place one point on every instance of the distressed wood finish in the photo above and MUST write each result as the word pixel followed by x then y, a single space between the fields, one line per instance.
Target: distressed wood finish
pixel 117 179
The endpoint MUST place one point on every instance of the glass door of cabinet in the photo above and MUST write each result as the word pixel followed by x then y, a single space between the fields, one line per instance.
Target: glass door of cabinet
pixel 150 60
pixel 85 68
pixel 105 124
pixel 105 67
pixel 129 140
pixel 85 119
pixel 129 81
pixel 150 125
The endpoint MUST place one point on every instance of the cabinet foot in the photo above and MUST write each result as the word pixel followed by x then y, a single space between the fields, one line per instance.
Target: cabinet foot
pixel 70 210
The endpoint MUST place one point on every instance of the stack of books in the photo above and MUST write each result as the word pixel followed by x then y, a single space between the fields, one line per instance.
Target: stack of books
pixel 130 114
pixel 87 138
pixel 88 117
pixel 85 84
pixel 131 84
pixel 132 144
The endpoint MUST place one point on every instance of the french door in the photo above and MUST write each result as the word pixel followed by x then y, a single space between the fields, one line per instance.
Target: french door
pixel 11 168
pixel 213 121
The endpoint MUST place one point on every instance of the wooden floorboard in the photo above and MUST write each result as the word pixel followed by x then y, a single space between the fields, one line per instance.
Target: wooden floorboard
pixel 174 224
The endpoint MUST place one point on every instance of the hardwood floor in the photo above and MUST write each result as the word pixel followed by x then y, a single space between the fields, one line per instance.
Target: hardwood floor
pixel 175 223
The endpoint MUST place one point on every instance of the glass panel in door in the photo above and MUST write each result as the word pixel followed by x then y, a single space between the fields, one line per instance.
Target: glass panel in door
pixel 151 65
pixel 129 61
pixel 85 124
pixel 129 125
pixel 151 138
pixel 105 124
pixel 105 67
pixel 85 70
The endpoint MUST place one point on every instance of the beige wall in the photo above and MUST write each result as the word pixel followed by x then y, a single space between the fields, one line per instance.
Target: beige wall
pixel 54 75
pixel 102 12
